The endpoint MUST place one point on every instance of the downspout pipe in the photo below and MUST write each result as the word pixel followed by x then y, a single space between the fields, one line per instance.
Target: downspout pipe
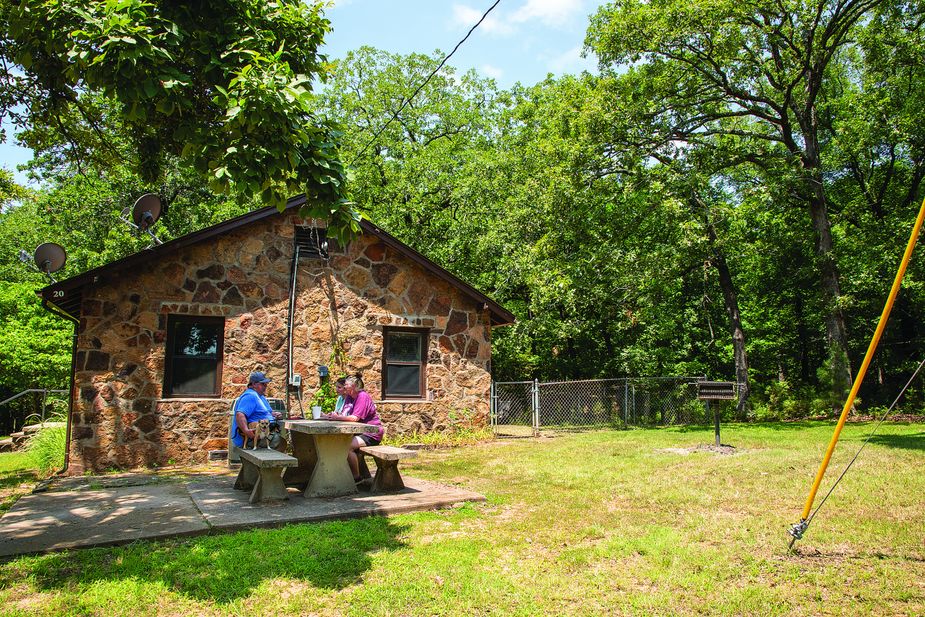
pixel 70 397
pixel 294 274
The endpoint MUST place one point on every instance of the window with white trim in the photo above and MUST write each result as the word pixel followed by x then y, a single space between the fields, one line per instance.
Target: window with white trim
pixel 193 358
pixel 404 362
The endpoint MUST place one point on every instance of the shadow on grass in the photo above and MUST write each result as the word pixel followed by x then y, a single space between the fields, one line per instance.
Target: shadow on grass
pixel 15 478
pixel 793 425
pixel 814 554
pixel 915 441
pixel 226 567
pixel 779 425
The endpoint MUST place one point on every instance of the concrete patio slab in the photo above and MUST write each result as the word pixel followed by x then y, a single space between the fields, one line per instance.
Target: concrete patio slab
pixel 228 510
pixel 78 519
pixel 111 511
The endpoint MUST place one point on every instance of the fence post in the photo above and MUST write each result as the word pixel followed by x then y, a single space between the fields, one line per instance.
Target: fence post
pixel 536 407
pixel 626 402
pixel 715 420
pixel 492 407
pixel 633 398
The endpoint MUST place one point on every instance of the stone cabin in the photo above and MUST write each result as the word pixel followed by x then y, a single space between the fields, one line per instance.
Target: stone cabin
pixel 165 338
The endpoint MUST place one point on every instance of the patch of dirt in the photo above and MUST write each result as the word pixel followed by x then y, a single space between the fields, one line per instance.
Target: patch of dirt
pixel 14 485
pixel 28 600
pixel 10 495
pixel 843 552
pixel 720 449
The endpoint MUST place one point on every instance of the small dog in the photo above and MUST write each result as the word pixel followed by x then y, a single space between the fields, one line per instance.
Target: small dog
pixel 261 430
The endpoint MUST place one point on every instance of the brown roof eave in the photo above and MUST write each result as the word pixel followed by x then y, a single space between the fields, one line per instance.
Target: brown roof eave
pixel 62 289
pixel 92 276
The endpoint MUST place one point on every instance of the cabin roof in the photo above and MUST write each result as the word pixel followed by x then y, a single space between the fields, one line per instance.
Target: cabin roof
pixel 65 295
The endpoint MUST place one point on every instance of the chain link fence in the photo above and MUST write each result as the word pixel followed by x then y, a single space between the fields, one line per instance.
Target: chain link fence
pixel 526 407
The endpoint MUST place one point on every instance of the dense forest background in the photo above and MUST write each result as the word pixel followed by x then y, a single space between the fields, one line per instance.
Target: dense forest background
pixel 729 197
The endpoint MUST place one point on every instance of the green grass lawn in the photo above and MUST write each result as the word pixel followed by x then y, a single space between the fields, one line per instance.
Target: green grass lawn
pixel 17 477
pixel 610 522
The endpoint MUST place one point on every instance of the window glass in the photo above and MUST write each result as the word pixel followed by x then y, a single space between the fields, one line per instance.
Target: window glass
pixel 404 347
pixel 404 362
pixel 193 376
pixel 193 358
pixel 404 380
pixel 197 340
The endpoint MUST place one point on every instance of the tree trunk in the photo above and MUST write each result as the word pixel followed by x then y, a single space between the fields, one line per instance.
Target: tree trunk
pixel 836 335
pixel 730 299
pixel 731 302
pixel 803 337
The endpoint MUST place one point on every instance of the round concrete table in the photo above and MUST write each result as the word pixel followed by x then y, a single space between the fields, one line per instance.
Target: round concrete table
pixel 321 446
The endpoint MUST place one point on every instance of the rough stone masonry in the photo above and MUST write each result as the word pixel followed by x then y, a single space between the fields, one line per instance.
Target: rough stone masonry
pixel 121 418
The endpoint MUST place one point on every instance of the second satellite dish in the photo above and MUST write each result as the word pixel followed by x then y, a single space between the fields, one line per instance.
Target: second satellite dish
pixel 50 257
pixel 146 211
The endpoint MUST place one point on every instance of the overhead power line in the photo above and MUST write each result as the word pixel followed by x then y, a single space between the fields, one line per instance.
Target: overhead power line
pixel 424 83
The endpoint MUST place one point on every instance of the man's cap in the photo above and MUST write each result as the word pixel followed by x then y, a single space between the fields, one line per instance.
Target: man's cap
pixel 258 377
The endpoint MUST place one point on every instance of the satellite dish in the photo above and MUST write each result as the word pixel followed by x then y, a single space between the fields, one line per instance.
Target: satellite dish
pixel 146 211
pixel 50 257
pixel 144 215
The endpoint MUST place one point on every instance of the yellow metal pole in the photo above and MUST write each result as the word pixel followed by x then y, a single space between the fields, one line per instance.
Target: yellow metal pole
pixel 867 358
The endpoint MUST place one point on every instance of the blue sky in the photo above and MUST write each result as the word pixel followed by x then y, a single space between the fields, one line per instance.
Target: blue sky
pixel 520 41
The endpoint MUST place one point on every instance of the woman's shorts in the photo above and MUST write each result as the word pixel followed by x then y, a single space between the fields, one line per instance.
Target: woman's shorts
pixel 369 440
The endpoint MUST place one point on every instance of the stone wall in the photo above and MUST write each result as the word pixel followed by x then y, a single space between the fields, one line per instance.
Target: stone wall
pixel 121 418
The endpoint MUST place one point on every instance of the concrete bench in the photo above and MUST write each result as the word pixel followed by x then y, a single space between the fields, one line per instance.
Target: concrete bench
pixel 386 457
pixel 261 473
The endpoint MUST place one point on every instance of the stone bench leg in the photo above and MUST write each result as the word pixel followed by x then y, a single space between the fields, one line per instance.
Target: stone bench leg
pixel 269 485
pixel 263 483
pixel 387 477
pixel 247 476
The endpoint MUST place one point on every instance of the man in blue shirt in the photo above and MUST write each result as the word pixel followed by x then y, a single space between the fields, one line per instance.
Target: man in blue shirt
pixel 252 406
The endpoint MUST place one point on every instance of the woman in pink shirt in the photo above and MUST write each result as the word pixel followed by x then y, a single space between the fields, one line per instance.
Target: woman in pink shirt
pixel 358 407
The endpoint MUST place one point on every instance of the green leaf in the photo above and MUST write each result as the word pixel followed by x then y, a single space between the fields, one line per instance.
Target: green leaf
pixel 165 106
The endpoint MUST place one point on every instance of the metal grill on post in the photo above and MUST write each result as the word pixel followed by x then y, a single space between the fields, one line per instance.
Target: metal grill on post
pixel 715 391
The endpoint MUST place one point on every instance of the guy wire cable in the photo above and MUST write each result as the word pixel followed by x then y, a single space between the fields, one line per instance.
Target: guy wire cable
pixel 423 83
pixel 858 453
pixel 797 529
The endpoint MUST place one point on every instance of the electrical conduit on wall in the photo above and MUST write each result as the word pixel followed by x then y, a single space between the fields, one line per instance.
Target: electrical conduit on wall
pixel 292 288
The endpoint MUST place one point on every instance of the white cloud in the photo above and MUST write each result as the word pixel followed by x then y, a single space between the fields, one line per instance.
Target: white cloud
pixel 466 16
pixel 556 14
pixel 571 62
pixel 550 12
pixel 492 71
